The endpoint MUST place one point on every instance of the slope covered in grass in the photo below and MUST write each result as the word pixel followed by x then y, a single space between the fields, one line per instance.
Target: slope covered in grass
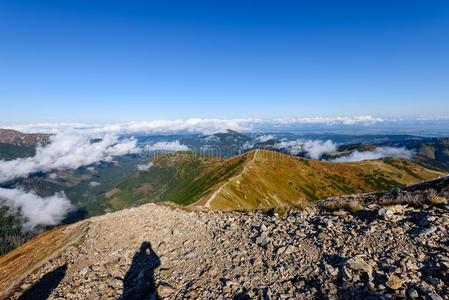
pixel 182 178
pixel 258 179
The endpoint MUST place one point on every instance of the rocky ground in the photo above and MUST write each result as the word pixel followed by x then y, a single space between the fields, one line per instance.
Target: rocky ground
pixel 392 252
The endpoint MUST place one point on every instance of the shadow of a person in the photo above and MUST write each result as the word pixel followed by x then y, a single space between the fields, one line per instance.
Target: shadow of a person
pixel 139 281
pixel 43 288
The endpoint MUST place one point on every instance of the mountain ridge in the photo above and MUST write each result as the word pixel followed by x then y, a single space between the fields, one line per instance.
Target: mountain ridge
pixel 259 179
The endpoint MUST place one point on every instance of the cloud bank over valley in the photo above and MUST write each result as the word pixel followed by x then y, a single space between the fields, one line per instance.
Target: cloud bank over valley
pixel 35 210
pixel 312 148
pixel 379 152
pixel 67 152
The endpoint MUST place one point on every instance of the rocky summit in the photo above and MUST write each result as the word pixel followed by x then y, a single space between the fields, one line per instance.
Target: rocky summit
pixel 155 251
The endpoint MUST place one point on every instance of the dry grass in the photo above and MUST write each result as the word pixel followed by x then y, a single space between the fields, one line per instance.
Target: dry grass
pixel 414 199
pixel 21 262
pixel 352 205
pixel 438 200
pixel 268 178
pixel 435 199
pixel 355 206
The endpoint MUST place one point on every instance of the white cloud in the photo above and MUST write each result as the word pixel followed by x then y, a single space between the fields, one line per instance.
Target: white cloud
pixel 293 147
pixel 166 146
pixel 65 152
pixel 313 148
pixel 36 210
pixel 316 148
pixel 206 126
pixel 194 125
pixel 94 183
pixel 355 120
pixel 144 168
pixel 265 138
pixel 247 145
pixel 379 152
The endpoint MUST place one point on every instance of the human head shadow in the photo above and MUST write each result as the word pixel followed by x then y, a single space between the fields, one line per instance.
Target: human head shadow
pixel 139 282
pixel 43 288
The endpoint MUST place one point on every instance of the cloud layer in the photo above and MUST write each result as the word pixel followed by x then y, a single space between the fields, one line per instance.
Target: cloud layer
pixel 67 152
pixel 167 146
pixel 379 152
pixel 312 148
pixel 194 125
pixel 35 210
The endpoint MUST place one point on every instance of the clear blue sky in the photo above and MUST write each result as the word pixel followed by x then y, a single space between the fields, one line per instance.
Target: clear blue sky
pixel 107 61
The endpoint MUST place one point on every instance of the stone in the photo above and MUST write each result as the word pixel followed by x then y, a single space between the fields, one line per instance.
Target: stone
pixel 357 263
pixel 412 293
pixel 165 291
pixel 428 231
pixel 290 249
pixel 262 240
pixel 434 296
pixel 346 274
pixel 84 271
pixel 226 255
pixel 394 282
pixel 330 270
pixel 391 210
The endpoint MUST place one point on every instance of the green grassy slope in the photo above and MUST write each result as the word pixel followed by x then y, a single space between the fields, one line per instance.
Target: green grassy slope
pixel 258 179
pixel 182 178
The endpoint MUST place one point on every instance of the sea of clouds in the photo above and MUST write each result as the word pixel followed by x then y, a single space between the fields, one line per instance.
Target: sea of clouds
pixel 67 152
pixel 193 125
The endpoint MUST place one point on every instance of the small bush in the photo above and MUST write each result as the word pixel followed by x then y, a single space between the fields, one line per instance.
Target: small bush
pixel 355 206
pixel 337 204
pixel 436 199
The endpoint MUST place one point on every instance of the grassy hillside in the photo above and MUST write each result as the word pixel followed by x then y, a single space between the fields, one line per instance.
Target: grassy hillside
pixel 183 178
pixel 258 179
pixel 21 262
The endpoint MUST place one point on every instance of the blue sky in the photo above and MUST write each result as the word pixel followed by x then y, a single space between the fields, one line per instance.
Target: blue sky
pixel 115 61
